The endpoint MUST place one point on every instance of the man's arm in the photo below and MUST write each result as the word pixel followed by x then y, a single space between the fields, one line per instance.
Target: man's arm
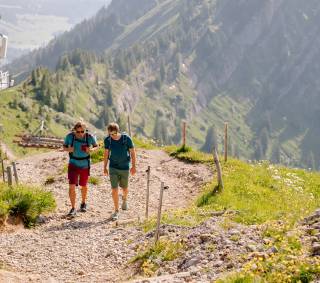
pixel 105 161
pixel 133 158
pixel 67 145
pixel 68 149
pixel 94 147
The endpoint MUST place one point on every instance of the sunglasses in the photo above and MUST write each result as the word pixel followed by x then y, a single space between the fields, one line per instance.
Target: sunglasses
pixel 79 132
pixel 113 133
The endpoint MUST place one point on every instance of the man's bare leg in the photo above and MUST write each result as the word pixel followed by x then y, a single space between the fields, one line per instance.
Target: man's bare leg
pixel 72 195
pixel 84 192
pixel 115 197
pixel 125 192
pixel 124 198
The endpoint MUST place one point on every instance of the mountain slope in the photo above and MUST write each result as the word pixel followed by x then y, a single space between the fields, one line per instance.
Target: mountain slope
pixel 253 64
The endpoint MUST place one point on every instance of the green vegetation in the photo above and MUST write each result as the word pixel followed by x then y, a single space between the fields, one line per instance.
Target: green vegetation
pixel 175 68
pixel 259 192
pixel 188 154
pixel 24 202
pixel 289 264
pixel 149 255
pixel 275 198
pixel 50 180
pixel 98 155
pixel 94 180
pixel 262 192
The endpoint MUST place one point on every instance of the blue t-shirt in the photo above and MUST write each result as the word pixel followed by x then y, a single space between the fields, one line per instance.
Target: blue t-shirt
pixel 119 151
pixel 77 149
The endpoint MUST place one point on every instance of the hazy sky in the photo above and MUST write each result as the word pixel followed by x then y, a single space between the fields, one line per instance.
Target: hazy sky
pixel 30 24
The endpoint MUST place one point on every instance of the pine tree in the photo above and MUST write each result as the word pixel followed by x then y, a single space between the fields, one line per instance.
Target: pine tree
pixel 34 78
pixel 276 153
pixel 48 97
pixel 211 140
pixel 162 72
pixel 264 139
pixel 122 122
pixel 45 82
pixel 311 163
pixel 64 63
pixel 109 98
pixel 258 154
pixel 62 103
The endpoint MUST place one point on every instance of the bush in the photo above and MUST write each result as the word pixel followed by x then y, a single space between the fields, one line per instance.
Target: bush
pixel 25 202
pixel 187 154
pixel 97 156
pixel 4 209
pixel 150 255
pixel 94 180
pixel 50 180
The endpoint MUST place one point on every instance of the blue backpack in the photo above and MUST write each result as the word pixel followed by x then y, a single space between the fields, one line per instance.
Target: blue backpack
pixel 124 138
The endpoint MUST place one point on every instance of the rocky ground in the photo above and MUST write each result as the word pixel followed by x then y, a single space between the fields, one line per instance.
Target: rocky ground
pixel 311 226
pixel 90 248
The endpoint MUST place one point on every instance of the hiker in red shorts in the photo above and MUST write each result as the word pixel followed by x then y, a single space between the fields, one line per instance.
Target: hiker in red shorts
pixel 79 143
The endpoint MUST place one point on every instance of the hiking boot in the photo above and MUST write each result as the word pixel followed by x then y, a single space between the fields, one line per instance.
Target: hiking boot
pixel 83 207
pixel 72 213
pixel 124 204
pixel 115 216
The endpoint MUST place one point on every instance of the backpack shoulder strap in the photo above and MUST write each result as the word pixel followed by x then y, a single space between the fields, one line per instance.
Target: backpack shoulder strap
pixel 87 139
pixel 73 138
pixel 109 139
pixel 125 140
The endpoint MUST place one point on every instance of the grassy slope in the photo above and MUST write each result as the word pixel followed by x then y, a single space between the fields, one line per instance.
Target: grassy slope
pixel 24 202
pixel 15 121
pixel 273 197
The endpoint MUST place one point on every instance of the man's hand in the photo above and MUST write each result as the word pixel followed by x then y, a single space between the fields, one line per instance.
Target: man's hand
pixel 67 149
pixel 133 171
pixel 106 172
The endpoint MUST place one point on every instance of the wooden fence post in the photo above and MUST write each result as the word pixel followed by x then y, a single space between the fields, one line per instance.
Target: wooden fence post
pixel 9 176
pixel 3 171
pixel 129 126
pixel 225 142
pixel 219 171
pixel 157 234
pixel 15 172
pixel 184 133
pixel 148 190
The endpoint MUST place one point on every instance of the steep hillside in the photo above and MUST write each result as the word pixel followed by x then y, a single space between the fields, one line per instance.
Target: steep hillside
pixel 21 113
pixel 31 24
pixel 250 63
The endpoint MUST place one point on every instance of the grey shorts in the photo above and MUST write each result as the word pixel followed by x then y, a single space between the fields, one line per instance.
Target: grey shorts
pixel 119 178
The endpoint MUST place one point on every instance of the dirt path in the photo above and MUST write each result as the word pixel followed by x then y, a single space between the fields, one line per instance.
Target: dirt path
pixel 90 248
pixel 6 150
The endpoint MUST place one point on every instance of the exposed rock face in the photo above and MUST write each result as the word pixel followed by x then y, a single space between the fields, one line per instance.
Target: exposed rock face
pixel 261 53
pixel 312 227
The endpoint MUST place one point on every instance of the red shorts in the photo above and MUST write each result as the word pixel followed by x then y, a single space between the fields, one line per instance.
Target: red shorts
pixel 78 176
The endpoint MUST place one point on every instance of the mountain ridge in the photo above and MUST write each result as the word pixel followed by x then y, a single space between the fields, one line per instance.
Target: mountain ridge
pixel 209 62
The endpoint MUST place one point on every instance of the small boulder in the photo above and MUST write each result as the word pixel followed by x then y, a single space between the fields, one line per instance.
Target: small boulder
pixel 315 249
pixel 192 262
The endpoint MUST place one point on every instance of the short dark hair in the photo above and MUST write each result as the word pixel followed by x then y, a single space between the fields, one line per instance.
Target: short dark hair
pixel 79 124
pixel 113 127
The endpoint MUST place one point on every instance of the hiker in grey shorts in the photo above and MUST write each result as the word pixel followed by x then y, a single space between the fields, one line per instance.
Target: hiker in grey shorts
pixel 119 149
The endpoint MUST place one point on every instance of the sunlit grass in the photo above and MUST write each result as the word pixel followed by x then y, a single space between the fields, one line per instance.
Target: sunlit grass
pixel 25 202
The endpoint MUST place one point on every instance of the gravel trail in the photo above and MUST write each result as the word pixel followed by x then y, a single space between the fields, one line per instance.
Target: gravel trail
pixel 91 248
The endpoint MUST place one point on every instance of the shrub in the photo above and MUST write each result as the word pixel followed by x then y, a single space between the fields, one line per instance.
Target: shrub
pixel 50 180
pixel 94 180
pixel 25 202
pixel 149 256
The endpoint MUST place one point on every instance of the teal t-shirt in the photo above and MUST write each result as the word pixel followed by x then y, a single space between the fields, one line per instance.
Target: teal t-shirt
pixel 119 155
pixel 77 149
